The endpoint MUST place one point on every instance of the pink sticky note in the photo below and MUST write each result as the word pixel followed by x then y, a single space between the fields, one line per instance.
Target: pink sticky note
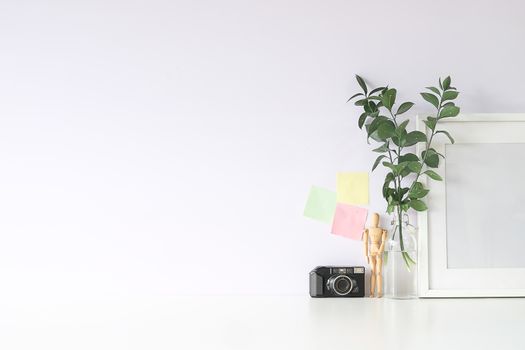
pixel 349 221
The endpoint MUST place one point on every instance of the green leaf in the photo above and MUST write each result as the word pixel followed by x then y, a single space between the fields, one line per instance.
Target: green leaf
pixel 431 158
pixel 448 104
pixel 376 90
pixel 386 190
pixel 407 159
pixel 400 167
pixel 383 148
pixel 388 97
pixel 389 165
pixel 367 107
pixel 434 90
pixel 376 163
pixel 431 98
pixel 415 137
pixel 386 130
pixel 447 134
pixel 396 141
pixel 450 95
pixel 400 140
pixel 430 122
pixel 354 96
pixel 404 107
pixel 401 128
pixel 418 205
pixel 449 111
pixel 360 102
pixel 361 83
pixel 433 175
pixel 446 83
pixel 396 169
pixel 403 169
pixel 372 127
pixel 415 166
pixel 403 191
pixel 417 191
pixel 362 120
pixel 375 137
pixel 405 172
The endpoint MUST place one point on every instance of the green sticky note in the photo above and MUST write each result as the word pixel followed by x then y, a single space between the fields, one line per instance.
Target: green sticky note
pixel 352 188
pixel 320 204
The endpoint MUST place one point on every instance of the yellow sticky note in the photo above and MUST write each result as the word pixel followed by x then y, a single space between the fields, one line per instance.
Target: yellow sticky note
pixel 352 188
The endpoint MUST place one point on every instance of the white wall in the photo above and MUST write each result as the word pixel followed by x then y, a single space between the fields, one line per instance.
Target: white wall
pixel 167 147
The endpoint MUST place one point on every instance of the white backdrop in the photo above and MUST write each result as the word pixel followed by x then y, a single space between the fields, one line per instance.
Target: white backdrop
pixel 167 147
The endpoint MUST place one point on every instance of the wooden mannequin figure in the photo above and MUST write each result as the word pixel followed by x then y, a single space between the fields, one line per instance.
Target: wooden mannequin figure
pixel 374 254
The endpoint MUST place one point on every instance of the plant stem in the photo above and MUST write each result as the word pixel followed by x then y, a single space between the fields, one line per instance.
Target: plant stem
pixel 400 225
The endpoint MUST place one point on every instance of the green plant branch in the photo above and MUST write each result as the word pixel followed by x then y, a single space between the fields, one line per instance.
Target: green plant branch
pixel 427 147
pixel 398 188
pixel 395 137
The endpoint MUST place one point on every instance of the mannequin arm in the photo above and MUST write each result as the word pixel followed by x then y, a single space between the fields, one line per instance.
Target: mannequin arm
pixel 383 239
pixel 365 243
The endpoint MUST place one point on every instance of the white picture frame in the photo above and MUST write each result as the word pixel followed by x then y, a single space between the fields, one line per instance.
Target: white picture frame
pixel 443 271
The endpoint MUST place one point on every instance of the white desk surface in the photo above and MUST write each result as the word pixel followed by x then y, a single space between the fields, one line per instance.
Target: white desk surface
pixel 264 323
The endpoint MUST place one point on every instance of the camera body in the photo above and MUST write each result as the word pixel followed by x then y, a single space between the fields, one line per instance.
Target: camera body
pixel 337 282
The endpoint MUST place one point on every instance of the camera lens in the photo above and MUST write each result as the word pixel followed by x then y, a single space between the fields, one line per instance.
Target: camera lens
pixel 341 284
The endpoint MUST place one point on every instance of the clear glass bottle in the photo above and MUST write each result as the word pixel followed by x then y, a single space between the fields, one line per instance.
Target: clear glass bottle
pixel 400 260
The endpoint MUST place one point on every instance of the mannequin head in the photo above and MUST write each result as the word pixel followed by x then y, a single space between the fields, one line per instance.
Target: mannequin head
pixel 374 220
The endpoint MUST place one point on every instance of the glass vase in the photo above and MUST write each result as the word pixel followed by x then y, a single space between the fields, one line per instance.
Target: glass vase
pixel 400 259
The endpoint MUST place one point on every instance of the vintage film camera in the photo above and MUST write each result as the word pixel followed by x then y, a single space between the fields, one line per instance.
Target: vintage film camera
pixel 337 281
